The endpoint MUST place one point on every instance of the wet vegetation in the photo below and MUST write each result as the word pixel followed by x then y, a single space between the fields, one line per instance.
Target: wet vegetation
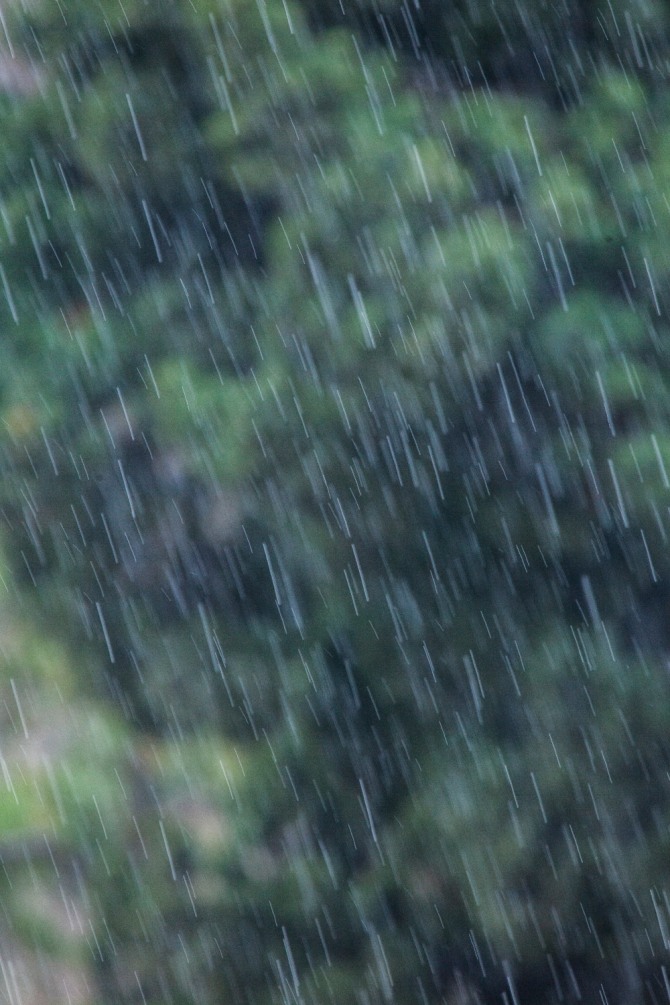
pixel 335 502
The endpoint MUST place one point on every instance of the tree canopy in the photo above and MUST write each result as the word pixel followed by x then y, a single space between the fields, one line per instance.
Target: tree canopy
pixel 335 489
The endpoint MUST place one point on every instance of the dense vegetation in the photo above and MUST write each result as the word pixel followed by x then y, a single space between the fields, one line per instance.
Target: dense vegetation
pixel 336 495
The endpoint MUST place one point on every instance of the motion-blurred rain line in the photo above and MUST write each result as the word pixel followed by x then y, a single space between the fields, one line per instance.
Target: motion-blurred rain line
pixel 335 499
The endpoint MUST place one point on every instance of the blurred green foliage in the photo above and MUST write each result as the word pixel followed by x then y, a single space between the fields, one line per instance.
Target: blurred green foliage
pixel 336 461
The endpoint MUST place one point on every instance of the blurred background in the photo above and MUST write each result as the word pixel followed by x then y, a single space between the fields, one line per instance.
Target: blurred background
pixel 335 446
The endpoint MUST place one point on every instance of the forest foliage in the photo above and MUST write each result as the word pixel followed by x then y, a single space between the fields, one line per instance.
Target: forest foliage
pixel 336 482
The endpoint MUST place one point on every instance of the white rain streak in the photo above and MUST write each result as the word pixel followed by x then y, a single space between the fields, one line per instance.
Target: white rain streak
pixel 606 404
pixel 548 502
pixel 533 147
pixel 368 811
pixel 19 707
pixel 362 313
pixel 126 487
pixel 136 127
pixel 589 597
pixel 8 295
pixel 273 577
pixel 652 286
pixel 652 568
pixel 660 461
pixel 422 172
pixel 168 850
pixel 105 632
pixel 152 231
pixel 557 276
pixel 619 495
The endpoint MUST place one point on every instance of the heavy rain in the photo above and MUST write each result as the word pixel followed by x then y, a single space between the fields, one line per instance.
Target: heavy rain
pixel 335 502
